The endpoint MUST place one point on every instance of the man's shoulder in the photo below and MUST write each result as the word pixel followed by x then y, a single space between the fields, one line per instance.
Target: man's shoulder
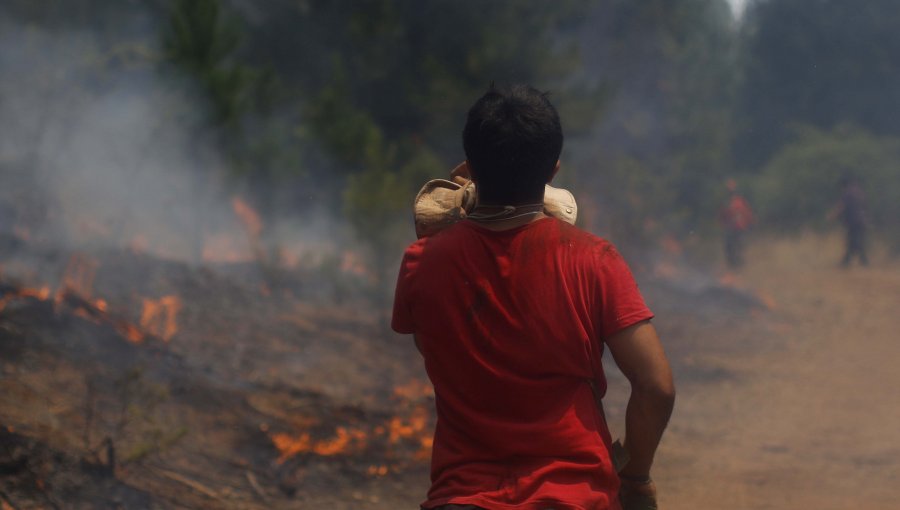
pixel 575 236
pixel 457 235
pixel 444 238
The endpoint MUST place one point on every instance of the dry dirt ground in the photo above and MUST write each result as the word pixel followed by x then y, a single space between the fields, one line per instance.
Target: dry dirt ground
pixel 800 408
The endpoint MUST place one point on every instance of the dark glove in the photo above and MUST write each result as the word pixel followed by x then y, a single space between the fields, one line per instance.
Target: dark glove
pixel 637 495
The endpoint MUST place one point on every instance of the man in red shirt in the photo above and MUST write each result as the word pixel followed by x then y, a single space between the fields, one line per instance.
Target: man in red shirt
pixel 511 310
pixel 736 218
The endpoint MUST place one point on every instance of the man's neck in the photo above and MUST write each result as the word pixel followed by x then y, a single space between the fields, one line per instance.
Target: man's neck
pixel 503 217
pixel 512 223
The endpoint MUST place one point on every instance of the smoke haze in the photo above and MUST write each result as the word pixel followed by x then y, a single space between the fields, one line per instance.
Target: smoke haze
pixel 99 149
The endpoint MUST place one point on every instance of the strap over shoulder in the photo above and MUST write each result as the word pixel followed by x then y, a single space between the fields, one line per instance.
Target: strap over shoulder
pixel 441 203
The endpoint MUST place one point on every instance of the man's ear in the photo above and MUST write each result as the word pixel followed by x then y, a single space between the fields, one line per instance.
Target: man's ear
pixel 555 170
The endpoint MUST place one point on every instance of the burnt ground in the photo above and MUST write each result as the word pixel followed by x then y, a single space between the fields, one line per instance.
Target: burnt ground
pixel 282 396
pixel 294 394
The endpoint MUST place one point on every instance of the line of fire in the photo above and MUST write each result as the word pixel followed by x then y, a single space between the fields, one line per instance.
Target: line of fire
pixel 161 380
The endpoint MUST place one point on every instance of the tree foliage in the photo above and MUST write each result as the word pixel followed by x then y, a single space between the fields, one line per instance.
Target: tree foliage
pixel 820 63
pixel 661 100
pixel 801 182
pixel 398 78
pixel 665 143
pixel 202 40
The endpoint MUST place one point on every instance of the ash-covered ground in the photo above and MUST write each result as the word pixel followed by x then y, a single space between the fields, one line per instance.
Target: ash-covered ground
pixel 129 381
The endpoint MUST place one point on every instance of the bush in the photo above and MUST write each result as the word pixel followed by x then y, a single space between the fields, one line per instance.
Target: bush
pixel 801 183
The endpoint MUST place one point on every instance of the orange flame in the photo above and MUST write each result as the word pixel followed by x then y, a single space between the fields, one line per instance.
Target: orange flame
pixel 41 294
pixel 224 247
pixel 377 470
pixel 340 442
pixel 344 441
pixel 78 276
pixel 248 216
pixel 353 263
pixel 288 445
pixel 159 316
pixel 767 300
pixel 399 429
pixel 130 332
pixel 233 246
pixel 413 429
pixel 414 390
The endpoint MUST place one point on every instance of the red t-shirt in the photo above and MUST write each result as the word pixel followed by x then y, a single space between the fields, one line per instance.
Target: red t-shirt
pixel 737 215
pixel 511 326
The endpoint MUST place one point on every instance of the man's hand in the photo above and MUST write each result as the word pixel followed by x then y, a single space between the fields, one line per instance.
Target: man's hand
pixel 460 174
pixel 639 495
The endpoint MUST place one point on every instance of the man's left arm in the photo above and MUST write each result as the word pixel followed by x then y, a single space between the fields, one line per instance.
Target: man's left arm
pixel 639 354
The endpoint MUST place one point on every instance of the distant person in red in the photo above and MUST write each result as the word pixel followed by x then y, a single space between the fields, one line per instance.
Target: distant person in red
pixel 851 209
pixel 736 218
pixel 512 310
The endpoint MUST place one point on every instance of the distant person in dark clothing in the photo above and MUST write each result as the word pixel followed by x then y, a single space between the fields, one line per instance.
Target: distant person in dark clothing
pixel 736 218
pixel 851 209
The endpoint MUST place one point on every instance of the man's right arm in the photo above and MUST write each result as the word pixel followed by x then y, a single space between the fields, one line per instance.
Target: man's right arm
pixel 639 355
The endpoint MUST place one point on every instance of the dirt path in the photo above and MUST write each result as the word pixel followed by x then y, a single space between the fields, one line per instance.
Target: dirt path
pixel 811 418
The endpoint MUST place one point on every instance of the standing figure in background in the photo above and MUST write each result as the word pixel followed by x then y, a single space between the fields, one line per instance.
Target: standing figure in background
pixel 852 211
pixel 736 218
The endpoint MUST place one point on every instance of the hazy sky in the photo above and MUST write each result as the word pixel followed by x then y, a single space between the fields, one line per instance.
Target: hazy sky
pixel 737 6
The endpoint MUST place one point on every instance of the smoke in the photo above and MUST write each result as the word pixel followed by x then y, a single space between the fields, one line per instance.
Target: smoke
pixel 97 152
pixel 99 149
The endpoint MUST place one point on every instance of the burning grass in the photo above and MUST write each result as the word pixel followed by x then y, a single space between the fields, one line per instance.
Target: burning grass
pixel 189 387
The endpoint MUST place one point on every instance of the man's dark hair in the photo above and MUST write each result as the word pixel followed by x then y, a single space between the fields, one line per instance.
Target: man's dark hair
pixel 513 139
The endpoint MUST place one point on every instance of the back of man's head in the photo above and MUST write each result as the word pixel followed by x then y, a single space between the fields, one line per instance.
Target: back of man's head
pixel 513 139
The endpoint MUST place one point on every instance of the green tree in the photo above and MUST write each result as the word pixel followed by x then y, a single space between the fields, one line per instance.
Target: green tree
pixel 377 203
pixel 202 41
pixel 820 63
pixel 799 185
pixel 401 76
pixel 659 156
